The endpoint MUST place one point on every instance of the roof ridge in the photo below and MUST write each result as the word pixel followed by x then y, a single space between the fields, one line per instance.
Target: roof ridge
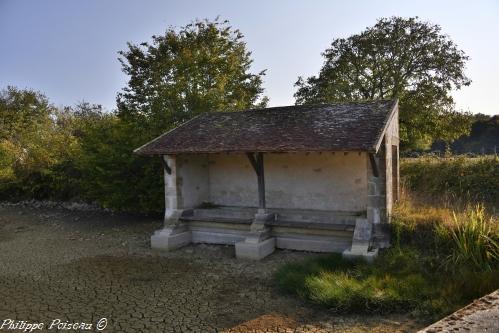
pixel 315 105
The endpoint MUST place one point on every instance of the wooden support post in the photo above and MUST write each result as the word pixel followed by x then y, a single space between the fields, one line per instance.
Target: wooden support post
pixel 166 166
pixel 261 181
pixel 253 162
pixel 374 165
pixel 257 164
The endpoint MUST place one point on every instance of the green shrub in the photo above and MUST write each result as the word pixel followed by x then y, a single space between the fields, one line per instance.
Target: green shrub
pixel 462 179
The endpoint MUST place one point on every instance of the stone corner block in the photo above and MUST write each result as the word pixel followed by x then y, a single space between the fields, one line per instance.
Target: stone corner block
pixel 255 251
pixel 165 240
pixel 365 255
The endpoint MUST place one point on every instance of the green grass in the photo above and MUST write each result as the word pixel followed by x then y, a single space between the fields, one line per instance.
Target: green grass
pixel 437 265
pixel 398 281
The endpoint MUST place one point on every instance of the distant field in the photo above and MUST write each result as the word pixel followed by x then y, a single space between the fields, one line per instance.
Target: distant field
pixel 458 180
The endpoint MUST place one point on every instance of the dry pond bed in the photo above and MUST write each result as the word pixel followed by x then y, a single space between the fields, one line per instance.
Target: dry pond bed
pixel 83 265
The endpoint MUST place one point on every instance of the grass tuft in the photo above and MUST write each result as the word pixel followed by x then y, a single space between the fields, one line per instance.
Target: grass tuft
pixel 476 240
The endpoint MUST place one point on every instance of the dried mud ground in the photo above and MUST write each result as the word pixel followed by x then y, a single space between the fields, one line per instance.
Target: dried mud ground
pixel 80 266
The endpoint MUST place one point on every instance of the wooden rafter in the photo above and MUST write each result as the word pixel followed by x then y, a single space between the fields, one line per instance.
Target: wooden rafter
pixel 374 165
pixel 166 166
pixel 254 163
pixel 257 164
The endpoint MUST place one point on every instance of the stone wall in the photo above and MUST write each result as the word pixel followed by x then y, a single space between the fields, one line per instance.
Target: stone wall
pixel 324 181
pixel 193 179
pixel 383 190
pixel 391 139
pixel 233 181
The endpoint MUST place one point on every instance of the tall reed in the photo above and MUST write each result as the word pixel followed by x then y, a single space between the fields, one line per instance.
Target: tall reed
pixel 476 239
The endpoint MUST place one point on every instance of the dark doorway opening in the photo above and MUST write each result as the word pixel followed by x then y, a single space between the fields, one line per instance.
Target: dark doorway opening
pixel 395 173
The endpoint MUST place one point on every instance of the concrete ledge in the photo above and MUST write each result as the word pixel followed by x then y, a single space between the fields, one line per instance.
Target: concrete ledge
pixel 366 255
pixel 313 244
pixel 480 316
pixel 165 240
pixel 255 251
pixel 215 237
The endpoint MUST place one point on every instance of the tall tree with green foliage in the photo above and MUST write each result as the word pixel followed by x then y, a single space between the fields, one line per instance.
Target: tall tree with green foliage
pixel 201 67
pixel 397 58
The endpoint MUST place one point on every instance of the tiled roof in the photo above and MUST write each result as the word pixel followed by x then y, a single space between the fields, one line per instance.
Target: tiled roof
pixel 333 127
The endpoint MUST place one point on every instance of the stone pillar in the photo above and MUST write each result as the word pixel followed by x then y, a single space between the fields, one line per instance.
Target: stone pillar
pixel 258 244
pixel 377 202
pixel 365 228
pixel 174 233
pixel 361 242
pixel 376 193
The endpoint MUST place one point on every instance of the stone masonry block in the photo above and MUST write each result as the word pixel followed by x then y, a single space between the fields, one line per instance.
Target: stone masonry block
pixel 255 251
pixel 166 240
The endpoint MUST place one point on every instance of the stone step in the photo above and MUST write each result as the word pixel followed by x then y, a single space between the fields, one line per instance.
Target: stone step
pixel 282 215
pixel 217 219
pixel 317 216
pixel 274 223
pixel 311 225
pixel 225 213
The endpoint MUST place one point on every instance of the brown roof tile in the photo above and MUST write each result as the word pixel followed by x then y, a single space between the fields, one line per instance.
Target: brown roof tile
pixel 331 127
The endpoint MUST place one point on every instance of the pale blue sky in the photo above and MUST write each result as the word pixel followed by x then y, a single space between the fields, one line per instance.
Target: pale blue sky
pixel 68 49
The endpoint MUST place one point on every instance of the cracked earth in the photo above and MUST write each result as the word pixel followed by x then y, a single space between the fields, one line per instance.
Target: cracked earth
pixel 80 266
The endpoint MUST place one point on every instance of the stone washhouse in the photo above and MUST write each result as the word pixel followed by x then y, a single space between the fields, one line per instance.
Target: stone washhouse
pixel 317 178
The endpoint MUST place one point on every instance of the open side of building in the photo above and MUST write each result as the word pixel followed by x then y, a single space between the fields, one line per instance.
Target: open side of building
pixel 315 178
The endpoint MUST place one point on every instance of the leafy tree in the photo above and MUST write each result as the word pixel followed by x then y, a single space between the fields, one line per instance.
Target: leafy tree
pixel 396 58
pixel 109 174
pixel 483 138
pixel 203 66
pixel 23 114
